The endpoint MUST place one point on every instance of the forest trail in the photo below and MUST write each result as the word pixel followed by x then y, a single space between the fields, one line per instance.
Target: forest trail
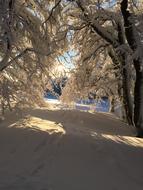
pixel 69 150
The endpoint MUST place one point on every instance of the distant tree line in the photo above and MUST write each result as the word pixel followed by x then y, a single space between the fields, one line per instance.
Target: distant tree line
pixel 55 87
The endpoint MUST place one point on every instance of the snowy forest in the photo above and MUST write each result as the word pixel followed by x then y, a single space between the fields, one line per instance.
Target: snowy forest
pixel 106 36
pixel 61 63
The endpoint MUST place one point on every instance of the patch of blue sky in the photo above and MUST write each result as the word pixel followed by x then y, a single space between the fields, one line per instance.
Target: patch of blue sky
pixel 109 4
pixel 70 34
pixel 67 59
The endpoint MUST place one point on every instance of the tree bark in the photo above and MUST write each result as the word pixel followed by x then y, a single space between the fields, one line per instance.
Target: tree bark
pixel 138 99
pixel 131 36
pixel 112 104
pixel 125 97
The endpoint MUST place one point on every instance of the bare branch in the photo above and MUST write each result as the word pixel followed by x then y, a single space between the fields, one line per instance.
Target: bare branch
pixel 56 5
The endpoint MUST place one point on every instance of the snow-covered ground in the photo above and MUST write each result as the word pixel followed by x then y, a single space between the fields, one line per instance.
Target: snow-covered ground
pixel 52 101
pixel 44 149
pixel 77 106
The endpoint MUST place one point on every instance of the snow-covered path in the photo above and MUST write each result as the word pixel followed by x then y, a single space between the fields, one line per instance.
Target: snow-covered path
pixel 69 150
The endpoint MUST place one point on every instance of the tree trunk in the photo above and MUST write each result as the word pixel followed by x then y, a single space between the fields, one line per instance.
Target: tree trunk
pixel 138 99
pixel 112 104
pixel 125 95
pixel 132 35
pixel 127 98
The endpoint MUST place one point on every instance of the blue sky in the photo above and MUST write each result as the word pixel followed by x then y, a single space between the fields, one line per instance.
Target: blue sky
pixel 67 59
pixel 109 4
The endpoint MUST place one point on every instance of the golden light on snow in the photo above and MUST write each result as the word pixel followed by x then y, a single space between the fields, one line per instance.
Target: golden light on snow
pixel 38 124
pixel 132 141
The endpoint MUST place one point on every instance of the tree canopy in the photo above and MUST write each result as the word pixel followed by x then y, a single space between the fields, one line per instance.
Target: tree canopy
pixel 106 34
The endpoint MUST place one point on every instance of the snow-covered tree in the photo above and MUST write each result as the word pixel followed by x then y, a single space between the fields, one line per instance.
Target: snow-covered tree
pixel 119 25
pixel 107 34
pixel 28 46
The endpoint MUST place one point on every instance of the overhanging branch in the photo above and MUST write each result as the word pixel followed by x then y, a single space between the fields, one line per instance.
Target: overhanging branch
pixel 100 30
pixel 4 65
